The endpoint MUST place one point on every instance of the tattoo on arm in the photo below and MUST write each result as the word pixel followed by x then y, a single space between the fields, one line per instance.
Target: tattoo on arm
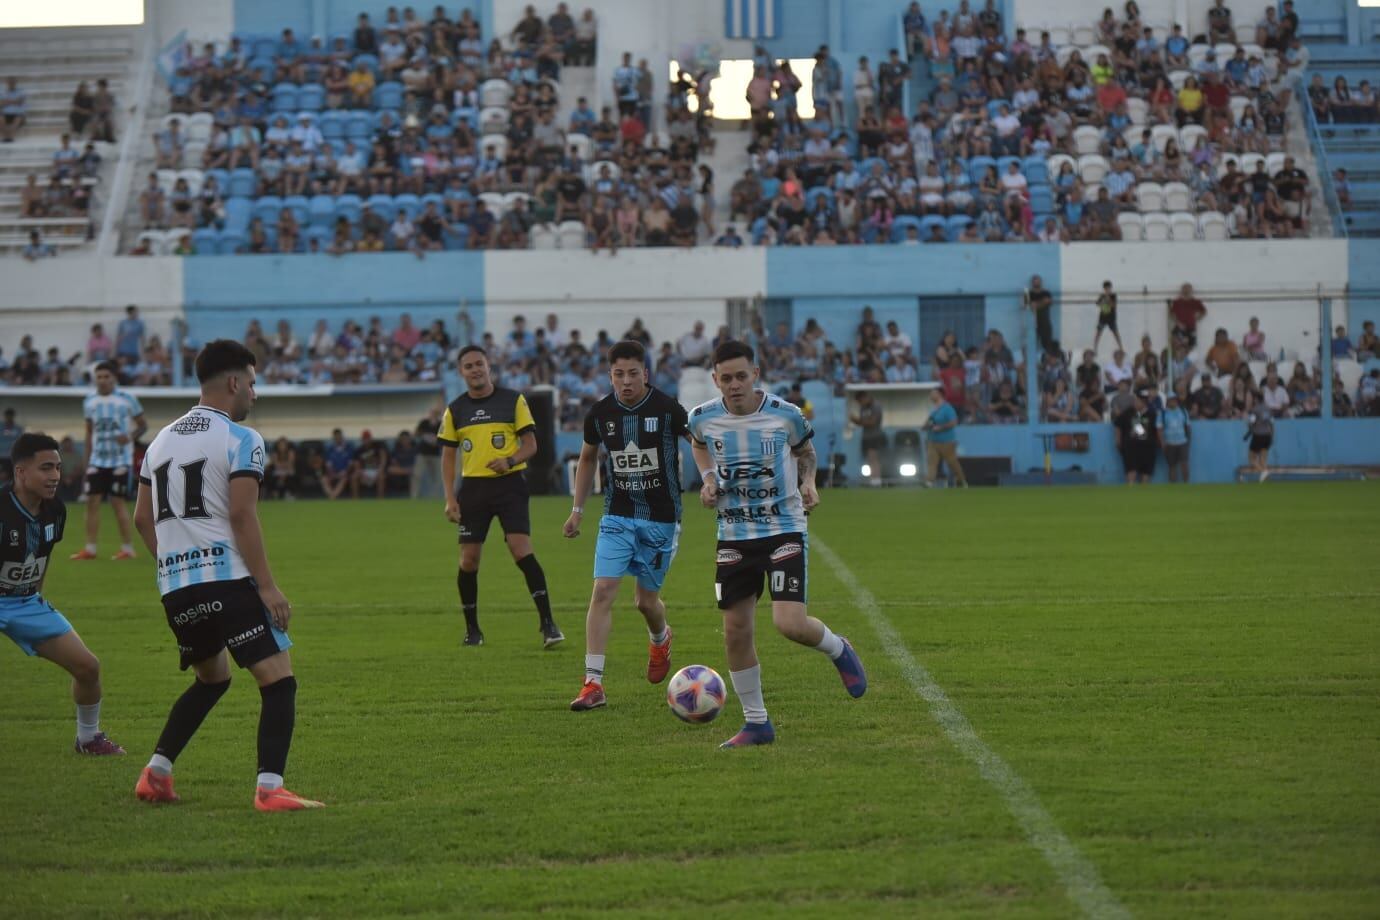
pixel 806 462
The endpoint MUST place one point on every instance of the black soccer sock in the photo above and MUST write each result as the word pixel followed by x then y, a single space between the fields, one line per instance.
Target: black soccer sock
pixel 536 584
pixel 186 717
pixel 468 582
pixel 276 718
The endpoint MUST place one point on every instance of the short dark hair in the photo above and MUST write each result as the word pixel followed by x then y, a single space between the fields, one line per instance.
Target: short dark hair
pixel 733 349
pixel 108 366
pixel 221 356
pixel 469 349
pixel 627 350
pixel 29 444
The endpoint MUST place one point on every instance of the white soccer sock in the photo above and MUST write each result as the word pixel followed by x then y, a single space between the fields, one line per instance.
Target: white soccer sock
pixel 88 721
pixel 90 547
pixel 748 685
pixel 831 644
pixel 594 668
pixel 661 637
pixel 126 547
pixel 270 781
pixel 160 764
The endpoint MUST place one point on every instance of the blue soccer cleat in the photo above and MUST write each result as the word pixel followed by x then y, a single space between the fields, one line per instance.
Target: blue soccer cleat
pixel 851 670
pixel 751 733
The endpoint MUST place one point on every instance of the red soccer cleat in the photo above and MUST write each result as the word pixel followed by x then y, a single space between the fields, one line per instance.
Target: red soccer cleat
pixel 659 658
pixel 281 799
pixel 99 746
pixel 155 787
pixel 83 556
pixel 124 554
pixel 591 697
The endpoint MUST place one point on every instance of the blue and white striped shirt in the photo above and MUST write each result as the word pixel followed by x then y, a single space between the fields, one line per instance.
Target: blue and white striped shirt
pixel 111 416
pixel 758 477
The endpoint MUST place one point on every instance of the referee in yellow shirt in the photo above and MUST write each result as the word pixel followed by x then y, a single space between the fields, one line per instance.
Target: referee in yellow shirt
pixel 493 430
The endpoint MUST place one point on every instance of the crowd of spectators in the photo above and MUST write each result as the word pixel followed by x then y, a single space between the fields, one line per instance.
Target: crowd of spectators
pixel 938 175
pixel 66 191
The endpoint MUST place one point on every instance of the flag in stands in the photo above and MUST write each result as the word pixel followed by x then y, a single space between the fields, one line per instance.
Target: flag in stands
pixel 752 18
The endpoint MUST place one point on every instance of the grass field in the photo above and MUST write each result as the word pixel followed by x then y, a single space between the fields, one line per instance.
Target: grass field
pixel 1187 679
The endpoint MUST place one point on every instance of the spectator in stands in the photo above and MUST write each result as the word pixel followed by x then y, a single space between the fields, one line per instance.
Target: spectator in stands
pixel 280 475
pixel 1135 429
pixel 1005 407
pixel 1173 431
pixel 1369 345
pixel 1039 300
pixel 335 473
pixel 13 110
pixel 36 248
pixel 129 336
pixel 1207 401
pixel 368 465
pixel 1274 395
pixel 402 466
pixel 867 415
pixel 1057 403
pixel 1223 357
pixel 1186 311
pixel 1341 344
pixel 103 113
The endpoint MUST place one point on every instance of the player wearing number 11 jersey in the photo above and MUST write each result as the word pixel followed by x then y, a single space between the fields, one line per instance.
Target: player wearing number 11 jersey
pixel 198 514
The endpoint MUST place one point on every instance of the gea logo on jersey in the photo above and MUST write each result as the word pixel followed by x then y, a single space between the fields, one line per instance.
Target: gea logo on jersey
pixel 17 574
pixel 745 471
pixel 631 459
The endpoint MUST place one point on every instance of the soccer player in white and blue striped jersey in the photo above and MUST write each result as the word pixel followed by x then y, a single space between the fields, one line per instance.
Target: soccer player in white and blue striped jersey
pixel 755 454
pixel 114 421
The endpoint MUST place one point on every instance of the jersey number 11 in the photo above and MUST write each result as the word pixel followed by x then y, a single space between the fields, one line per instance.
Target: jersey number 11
pixel 192 504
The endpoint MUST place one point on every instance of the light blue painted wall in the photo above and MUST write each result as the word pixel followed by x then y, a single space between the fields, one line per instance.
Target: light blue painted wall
pixel 224 294
pixel 1363 276
pixel 868 26
pixel 269 17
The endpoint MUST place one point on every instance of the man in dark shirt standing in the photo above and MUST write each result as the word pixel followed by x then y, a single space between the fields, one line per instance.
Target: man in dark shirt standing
pixel 426 475
pixel 640 429
pixel 1039 301
pixel 1207 401
pixel 1135 438
pixel 868 417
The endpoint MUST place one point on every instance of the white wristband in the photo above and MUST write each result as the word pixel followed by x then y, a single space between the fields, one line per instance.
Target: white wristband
pixel 705 474
pixel 577 510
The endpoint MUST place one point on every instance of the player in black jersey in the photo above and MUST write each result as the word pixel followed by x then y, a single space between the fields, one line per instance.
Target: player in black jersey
pixel 32 519
pixel 639 428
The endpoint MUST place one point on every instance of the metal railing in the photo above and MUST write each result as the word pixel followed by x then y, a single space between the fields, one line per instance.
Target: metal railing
pixel 1334 204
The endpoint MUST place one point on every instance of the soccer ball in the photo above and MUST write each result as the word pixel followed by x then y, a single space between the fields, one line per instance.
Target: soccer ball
pixel 696 693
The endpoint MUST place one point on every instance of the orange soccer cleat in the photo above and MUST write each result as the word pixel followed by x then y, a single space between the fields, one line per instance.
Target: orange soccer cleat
pixel 659 659
pixel 591 697
pixel 155 787
pixel 124 554
pixel 281 799
pixel 82 556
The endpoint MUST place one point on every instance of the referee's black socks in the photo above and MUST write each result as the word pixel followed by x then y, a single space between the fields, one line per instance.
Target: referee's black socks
pixel 536 585
pixel 468 583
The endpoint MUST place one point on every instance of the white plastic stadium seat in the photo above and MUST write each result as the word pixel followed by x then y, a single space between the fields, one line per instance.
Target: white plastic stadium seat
pixel 543 237
pixel 1212 225
pixel 1238 105
pixel 167 178
pixel 1183 226
pixel 584 147
pixel 597 167
pixel 1087 139
pixel 512 198
pixel 1056 163
pixel 493 120
pixel 155 239
pixel 1092 51
pixel 1189 135
pixel 1224 163
pixel 1245 32
pixel 1177 78
pixel 1156 228
pixel 1274 162
pixel 1350 372
pixel 192 151
pixel 1132 227
pixel 1150 197
pixel 1062 53
pixel 1197 54
pixel 1177 197
pixel 1138 109
pixel 495 93
pixel 1058 36
pixel 1083 36
pixel 1161 135
pixel 495 202
pixel 1248 161
pixel 166 121
pixel 195 178
pixel 1224 51
pixel 498 142
pixel 572 234
pixel 1092 168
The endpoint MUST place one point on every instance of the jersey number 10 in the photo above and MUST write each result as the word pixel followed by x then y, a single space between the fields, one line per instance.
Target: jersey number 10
pixel 192 504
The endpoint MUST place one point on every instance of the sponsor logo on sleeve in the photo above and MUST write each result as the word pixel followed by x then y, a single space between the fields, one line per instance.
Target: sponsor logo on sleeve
pixel 786 551
pixel 256 458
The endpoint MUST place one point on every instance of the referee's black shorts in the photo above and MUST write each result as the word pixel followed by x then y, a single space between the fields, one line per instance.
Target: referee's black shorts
pixel 502 497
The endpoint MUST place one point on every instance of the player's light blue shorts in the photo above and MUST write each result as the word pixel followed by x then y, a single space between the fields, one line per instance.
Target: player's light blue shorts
pixel 31 621
pixel 631 547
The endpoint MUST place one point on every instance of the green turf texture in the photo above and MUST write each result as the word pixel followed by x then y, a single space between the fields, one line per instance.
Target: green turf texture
pixel 1188 679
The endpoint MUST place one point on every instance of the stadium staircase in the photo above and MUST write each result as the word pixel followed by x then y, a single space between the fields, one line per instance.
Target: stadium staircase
pixel 49 63
pixel 1353 147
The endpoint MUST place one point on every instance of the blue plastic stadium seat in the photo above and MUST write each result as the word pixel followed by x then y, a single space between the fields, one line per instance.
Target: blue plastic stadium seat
pixel 1036 170
pixel 376 118
pixel 1041 198
pixel 237 214
pixel 206 241
pixel 265 46
pixel 433 198
pixel 978 166
pixel 468 116
pixel 332 125
pixel 267 208
pixel 322 234
pixel 300 208
pixel 1004 165
pixel 348 207
pixel 321 210
pixel 382 205
pixel 222 177
pixel 865 167
pixel 902 224
pixel 388 95
pixel 243 182
pixel 369 60
pixel 994 107
pixel 359 126
pixel 409 203
pixel 457 237
pixel 816 193
pixel 311 97
pixel 264 65
pixel 926 225
pixel 285 97
pixel 955 224
pixel 231 243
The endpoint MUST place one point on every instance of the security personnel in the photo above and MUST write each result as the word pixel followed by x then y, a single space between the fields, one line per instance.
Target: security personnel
pixel 493 429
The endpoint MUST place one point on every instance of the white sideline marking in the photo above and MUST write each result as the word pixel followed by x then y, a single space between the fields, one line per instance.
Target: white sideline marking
pixel 1079 876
